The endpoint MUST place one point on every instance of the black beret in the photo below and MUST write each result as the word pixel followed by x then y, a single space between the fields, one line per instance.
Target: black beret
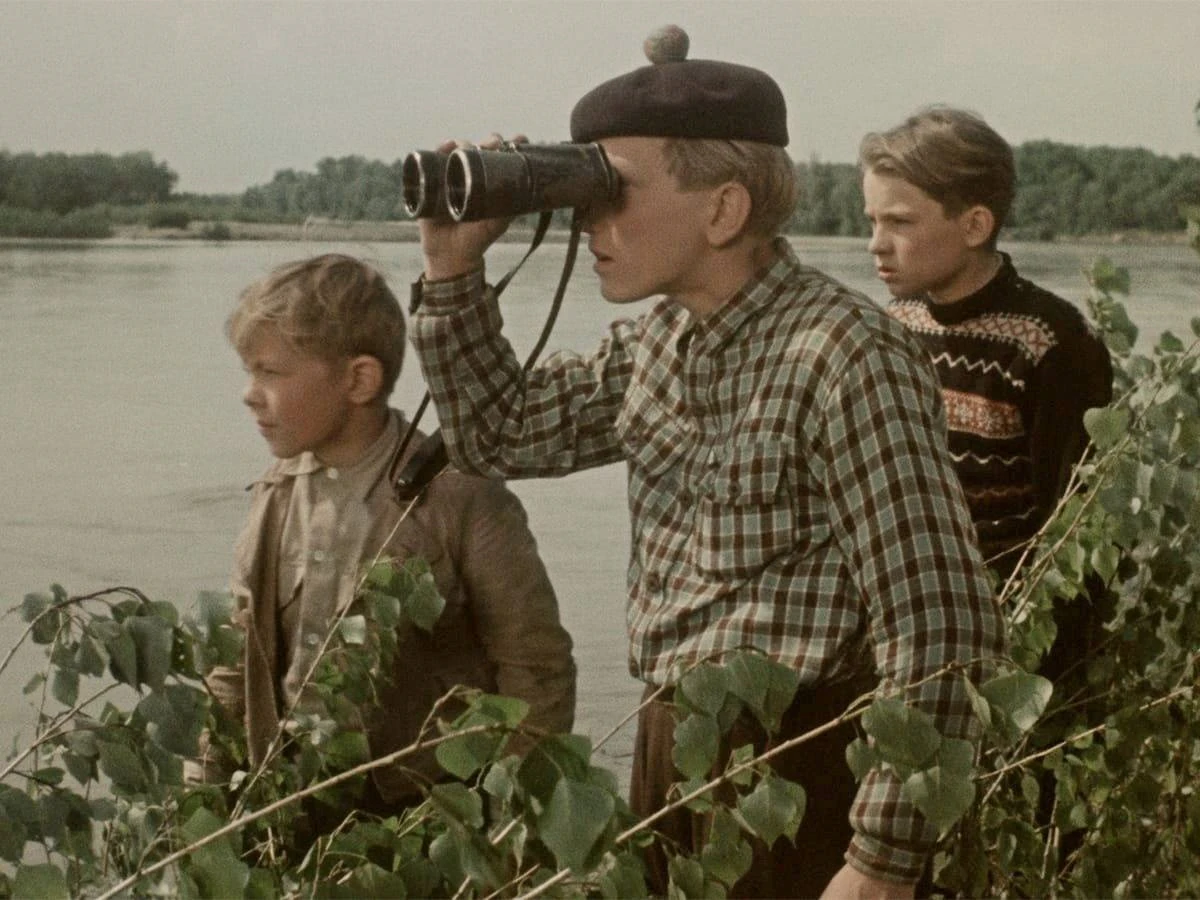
pixel 683 98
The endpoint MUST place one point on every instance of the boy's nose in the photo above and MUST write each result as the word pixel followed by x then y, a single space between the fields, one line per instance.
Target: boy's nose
pixel 251 395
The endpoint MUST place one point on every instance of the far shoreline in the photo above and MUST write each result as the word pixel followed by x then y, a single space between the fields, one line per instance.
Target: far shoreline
pixel 406 231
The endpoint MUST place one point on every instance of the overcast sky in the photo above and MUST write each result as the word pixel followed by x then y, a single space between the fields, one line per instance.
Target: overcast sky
pixel 227 93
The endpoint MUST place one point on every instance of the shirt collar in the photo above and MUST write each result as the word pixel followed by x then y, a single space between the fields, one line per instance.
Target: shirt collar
pixel 718 329
pixel 366 472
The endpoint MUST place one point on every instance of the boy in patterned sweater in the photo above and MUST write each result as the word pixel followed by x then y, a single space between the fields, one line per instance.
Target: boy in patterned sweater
pixel 1018 365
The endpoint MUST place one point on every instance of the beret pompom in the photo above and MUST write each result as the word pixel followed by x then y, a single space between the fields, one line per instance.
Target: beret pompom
pixel 677 97
pixel 667 44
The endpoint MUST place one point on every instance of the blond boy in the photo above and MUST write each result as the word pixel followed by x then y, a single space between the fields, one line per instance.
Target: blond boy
pixel 322 342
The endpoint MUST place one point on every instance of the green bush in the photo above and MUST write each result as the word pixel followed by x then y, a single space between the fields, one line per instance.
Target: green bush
pixel 168 217
pixel 216 231
pixel 92 223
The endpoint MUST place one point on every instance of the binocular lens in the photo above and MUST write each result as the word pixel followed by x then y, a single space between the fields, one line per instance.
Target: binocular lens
pixel 421 174
pixel 472 184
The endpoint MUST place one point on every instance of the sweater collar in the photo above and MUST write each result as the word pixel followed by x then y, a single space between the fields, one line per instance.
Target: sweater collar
pixel 980 301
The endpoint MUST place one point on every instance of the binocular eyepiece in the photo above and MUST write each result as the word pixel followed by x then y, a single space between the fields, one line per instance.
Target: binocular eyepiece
pixel 469 184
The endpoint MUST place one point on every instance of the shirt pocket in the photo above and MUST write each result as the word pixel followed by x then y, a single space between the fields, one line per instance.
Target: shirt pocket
pixel 744 512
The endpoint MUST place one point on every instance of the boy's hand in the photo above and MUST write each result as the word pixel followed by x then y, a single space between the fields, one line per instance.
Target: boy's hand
pixel 851 884
pixel 454 248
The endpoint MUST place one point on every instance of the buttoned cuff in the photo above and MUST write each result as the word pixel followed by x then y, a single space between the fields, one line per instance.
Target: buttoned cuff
pixel 449 294
pixel 873 857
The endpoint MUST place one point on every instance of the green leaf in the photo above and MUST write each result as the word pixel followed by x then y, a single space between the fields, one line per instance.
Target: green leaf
pixel 573 821
pixel 904 736
pixel 704 688
pixel 500 780
pixel 944 792
pixel 766 686
pixel 444 851
pixel 122 657
pixel 65 686
pixel 175 717
pixel 216 866
pixel 686 876
pixel 624 879
pixel 943 798
pixel 424 605
pixel 40 882
pixel 51 776
pixel 774 808
pixel 1020 696
pixel 154 639
pixel 1109 277
pixel 468 753
pixel 122 765
pixel 555 757
pixel 370 880
pixel 861 758
pixel 457 804
pixel 353 630
pixel 726 855
pixel 220 643
pixel 90 657
pixel 697 741
pixel 37 609
pixel 19 819
pixel 1106 426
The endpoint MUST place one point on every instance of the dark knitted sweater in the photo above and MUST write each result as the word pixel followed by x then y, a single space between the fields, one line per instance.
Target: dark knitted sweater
pixel 1018 367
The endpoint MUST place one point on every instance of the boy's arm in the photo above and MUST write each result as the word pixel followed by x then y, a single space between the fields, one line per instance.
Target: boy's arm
pixel 226 687
pixel 903 527
pixel 500 421
pixel 1071 378
pixel 515 609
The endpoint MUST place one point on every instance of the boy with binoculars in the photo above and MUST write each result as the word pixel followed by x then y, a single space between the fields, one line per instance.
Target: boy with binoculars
pixel 789 484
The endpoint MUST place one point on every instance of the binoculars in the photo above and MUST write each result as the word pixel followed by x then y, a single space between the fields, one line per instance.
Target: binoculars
pixel 469 184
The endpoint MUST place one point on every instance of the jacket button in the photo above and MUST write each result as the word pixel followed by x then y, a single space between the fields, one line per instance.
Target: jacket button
pixel 654 582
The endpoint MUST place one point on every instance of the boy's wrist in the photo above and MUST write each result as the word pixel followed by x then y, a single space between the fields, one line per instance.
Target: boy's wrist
pixel 446 294
pixel 439 269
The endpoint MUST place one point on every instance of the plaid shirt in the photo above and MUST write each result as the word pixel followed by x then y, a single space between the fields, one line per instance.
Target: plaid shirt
pixel 789 486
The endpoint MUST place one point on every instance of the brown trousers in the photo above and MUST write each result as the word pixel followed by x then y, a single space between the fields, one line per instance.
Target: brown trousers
pixel 819 765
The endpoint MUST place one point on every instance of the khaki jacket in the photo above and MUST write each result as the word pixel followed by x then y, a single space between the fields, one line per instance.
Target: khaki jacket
pixel 499 631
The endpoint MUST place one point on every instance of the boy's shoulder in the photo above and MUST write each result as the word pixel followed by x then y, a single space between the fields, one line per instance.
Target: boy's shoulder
pixel 1064 319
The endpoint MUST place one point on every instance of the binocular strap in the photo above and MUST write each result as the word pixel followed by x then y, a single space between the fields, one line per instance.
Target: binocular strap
pixel 427 462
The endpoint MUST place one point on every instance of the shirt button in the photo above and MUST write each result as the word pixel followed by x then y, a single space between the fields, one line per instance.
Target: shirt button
pixel 312 639
pixel 318 555
pixel 654 582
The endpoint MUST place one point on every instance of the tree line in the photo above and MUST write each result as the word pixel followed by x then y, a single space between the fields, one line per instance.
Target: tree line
pixel 1063 190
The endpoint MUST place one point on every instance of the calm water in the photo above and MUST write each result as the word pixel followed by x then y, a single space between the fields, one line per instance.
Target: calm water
pixel 125 447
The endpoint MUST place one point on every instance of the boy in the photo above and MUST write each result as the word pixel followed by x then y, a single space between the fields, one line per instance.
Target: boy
pixel 776 428
pixel 322 341
pixel 1018 365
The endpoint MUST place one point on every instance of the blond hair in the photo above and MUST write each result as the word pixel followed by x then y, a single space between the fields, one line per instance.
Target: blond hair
pixel 952 155
pixel 333 306
pixel 766 171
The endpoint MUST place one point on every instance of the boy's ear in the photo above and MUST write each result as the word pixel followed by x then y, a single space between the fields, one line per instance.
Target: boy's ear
pixel 365 375
pixel 731 207
pixel 977 224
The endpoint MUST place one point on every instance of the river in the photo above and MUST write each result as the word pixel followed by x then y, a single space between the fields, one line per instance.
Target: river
pixel 125 447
